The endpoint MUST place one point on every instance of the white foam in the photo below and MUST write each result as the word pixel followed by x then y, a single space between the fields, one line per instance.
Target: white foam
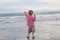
pixel 22 18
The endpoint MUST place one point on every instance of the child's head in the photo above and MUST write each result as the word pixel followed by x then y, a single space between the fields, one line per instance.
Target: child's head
pixel 30 12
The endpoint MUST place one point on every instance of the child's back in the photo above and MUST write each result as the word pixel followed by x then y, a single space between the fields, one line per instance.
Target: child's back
pixel 30 20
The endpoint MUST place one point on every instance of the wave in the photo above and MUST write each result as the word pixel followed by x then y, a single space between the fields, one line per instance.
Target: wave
pixel 11 19
pixel 48 17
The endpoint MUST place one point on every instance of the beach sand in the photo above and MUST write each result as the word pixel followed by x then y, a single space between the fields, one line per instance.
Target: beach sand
pixel 45 30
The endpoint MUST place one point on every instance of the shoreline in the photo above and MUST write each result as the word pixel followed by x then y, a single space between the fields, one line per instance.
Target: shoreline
pixel 45 30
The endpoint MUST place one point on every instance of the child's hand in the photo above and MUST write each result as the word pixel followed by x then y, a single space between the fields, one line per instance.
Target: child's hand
pixel 25 12
pixel 34 14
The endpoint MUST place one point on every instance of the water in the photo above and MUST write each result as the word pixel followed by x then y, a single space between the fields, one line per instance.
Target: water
pixel 8 18
pixel 13 27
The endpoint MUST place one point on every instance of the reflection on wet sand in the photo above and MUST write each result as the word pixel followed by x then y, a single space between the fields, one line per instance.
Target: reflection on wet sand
pixel 29 39
pixel 45 30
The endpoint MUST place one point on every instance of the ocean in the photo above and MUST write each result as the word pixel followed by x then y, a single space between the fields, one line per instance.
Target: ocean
pixel 14 17
pixel 13 27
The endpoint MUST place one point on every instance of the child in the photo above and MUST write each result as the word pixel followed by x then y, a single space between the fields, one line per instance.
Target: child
pixel 30 22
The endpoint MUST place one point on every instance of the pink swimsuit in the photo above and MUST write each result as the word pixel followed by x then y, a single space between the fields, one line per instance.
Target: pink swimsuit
pixel 30 20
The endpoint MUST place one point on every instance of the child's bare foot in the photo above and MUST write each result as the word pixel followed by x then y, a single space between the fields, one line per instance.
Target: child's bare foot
pixel 28 37
pixel 33 37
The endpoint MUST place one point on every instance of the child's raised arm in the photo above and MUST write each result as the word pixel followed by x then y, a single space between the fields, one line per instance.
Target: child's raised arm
pixel 34 17
pixel 25 13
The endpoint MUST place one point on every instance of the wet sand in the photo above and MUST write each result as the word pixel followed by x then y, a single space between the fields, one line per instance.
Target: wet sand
pixel 45 30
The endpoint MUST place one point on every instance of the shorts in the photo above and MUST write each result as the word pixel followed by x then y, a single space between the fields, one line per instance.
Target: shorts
pixel 31 29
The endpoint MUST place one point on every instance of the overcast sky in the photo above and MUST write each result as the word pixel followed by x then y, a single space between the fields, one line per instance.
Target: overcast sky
pixel 21 5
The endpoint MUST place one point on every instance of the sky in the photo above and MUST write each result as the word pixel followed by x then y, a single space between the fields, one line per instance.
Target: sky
pixel 16 6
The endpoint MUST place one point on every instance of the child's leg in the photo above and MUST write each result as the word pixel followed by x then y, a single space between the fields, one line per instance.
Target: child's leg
pixel 33 31
pixel 29 31
pixel 28 34
pixel 32 34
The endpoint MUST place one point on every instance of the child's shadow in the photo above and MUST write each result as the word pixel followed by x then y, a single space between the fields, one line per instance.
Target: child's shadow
pixel 29 39
pixel 32 39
